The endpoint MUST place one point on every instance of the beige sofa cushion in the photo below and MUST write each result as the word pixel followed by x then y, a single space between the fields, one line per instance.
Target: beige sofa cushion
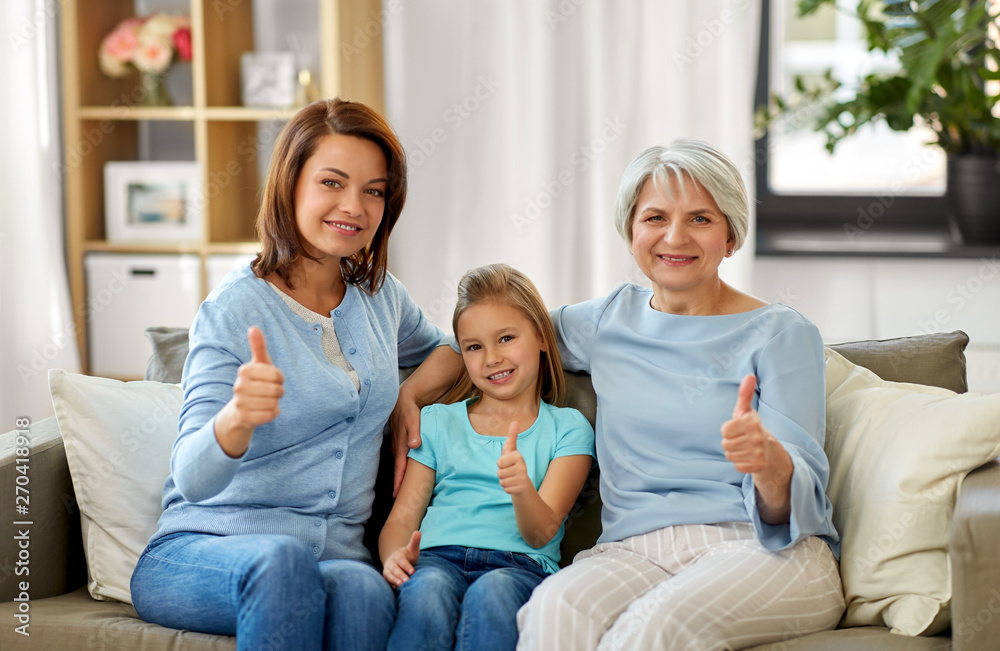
pixel 898 453
pixel 118 437
pixel 936 360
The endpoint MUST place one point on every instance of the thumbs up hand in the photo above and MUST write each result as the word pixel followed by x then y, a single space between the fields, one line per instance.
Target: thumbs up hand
pixel 259 384
pixel 511 469
pixel 745 440
pixel 258 387
pixel 743 436
pixel 258 346
pixel 755 451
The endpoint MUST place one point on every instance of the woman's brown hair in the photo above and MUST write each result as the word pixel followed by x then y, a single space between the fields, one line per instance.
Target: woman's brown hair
pixel 276 229
pixel 503 284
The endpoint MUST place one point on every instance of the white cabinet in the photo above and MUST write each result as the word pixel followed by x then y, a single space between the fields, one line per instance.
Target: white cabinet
pixel 881 298
pixel 128 293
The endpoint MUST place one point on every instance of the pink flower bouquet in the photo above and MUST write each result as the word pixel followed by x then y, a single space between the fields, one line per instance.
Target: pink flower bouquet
pixel 149 44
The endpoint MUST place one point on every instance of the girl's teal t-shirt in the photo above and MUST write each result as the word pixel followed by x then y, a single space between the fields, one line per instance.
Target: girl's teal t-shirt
pixel 468 506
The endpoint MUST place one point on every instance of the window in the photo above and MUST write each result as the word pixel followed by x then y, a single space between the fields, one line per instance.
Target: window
pixel 878 180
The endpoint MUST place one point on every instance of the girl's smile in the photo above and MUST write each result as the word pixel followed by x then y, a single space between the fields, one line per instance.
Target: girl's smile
pixel 502 350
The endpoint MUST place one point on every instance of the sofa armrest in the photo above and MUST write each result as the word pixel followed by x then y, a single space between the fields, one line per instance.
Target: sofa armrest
pixel 53 562
pixel 975 566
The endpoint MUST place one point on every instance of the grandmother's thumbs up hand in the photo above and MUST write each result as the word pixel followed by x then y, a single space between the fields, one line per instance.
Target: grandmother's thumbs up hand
pixel 755 451
pixel 744 439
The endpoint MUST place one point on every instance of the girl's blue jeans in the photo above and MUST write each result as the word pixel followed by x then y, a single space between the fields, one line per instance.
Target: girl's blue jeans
pixel 463 598
pixel 267 590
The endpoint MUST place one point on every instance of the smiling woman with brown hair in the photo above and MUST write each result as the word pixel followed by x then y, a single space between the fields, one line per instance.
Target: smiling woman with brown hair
pixel 291 376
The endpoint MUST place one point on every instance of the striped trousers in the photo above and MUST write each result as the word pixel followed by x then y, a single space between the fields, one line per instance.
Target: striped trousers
pixel 694 587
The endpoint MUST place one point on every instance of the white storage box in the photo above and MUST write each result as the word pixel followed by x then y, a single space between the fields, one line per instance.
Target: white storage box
pixel 128 293
pixel 217 266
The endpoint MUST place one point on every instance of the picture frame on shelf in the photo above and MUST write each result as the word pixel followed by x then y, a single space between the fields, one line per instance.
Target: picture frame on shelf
pixel 268 79
pixel 146 201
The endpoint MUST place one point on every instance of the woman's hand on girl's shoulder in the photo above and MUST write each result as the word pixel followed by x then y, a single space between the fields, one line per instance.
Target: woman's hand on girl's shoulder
pixel 404 423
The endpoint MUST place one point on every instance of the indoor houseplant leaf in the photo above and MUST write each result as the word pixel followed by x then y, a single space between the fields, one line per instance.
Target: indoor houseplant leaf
pixel 947 57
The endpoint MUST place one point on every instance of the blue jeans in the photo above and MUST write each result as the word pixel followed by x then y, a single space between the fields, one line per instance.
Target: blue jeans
pixel 463 598
pixel 268 590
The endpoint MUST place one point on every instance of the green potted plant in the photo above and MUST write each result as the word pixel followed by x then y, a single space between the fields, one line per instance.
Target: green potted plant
pixel 948 54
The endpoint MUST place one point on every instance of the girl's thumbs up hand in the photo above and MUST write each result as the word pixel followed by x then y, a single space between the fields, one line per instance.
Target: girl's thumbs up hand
pixel 511 469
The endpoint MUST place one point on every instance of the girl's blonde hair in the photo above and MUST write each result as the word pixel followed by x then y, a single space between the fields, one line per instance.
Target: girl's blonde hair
pixel 503 284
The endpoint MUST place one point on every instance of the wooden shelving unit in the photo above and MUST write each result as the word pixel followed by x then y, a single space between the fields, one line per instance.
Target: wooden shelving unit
pixel 100 126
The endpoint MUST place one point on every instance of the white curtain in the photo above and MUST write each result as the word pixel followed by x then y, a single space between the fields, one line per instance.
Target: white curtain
pixel 36 325
pixel 519 117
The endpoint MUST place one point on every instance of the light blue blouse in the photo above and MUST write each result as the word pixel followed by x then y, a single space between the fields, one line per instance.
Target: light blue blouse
pixel 666 383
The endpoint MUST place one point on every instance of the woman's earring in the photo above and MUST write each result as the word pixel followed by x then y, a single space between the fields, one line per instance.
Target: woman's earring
pixel 729 253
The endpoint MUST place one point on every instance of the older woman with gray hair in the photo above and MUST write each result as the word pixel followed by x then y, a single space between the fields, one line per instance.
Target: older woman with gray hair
pixel 717 530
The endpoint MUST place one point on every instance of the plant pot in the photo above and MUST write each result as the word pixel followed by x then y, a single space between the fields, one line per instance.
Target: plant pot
pixel 973 196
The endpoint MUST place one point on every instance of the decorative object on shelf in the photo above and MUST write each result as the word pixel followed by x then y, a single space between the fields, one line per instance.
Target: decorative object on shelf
pixel 152 201
pixel 948 80
pixel 149 44
pixel 268 79
pixel 304 47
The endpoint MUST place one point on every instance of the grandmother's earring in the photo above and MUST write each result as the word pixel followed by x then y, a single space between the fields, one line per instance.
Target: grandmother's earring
pixel 729 253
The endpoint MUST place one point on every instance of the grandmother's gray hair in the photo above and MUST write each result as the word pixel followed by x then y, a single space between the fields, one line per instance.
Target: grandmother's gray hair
pixel 685 158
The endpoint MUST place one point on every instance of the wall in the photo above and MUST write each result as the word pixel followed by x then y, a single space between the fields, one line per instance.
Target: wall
pixel 881 298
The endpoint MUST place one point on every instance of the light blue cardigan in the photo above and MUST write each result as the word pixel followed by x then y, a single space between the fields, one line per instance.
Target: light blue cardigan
pixel 310 473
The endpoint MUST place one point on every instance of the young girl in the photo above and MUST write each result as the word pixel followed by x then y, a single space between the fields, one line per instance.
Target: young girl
pixel 493 480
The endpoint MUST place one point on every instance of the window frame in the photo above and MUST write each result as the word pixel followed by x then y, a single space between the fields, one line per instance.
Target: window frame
pixel 825 211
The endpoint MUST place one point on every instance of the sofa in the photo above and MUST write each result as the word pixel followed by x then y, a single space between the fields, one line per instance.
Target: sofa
pixel 62 614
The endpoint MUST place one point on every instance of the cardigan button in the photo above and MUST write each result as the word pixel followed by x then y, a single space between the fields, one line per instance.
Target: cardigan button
pixel 317 523
pixel 340 454
pixel 336 312
pixel 332 494
pixel 368 382
pixel 353 350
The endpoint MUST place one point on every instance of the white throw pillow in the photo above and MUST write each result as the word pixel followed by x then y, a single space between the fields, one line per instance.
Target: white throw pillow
pixel 898 453
pixel 118 437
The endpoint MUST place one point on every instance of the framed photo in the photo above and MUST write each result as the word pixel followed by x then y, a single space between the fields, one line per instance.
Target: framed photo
pixel 268 79
pixel 152 201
